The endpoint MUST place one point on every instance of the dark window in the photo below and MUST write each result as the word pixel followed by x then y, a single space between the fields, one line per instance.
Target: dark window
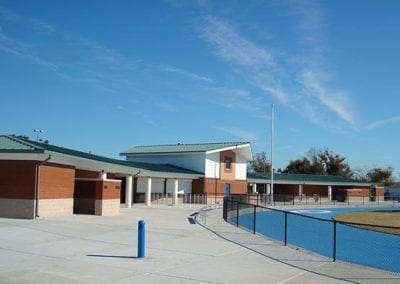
pixel 228 164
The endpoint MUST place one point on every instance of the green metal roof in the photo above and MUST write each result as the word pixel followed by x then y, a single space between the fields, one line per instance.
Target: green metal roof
pixel 181 148
pixel 12 144
pixel 303 178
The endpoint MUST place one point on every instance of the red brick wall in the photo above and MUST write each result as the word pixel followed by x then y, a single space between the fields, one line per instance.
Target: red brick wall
pixel 218 187
pixel 107 189
pixel 198 186
pixel 17 179
pixel 86 174
pixel 56 181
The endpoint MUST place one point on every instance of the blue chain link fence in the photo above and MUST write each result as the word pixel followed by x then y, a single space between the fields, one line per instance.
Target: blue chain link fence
pixel 327 237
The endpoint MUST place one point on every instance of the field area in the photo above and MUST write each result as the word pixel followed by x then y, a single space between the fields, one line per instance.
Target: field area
pixel 383 221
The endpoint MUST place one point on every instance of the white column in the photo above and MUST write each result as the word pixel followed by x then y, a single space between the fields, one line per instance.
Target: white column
pixel 128 191
pixel 254 188
pixel 175 193
pixel 148 192
pixel 103 175
pixel 268 188
pixel 329 192
pixel 300 190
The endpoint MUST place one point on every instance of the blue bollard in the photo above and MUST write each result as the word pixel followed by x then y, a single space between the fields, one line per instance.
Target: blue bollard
pixel 141 239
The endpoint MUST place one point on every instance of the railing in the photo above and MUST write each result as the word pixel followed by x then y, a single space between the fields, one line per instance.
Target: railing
pixel 166 198
pixel 311 199
pixel 327 237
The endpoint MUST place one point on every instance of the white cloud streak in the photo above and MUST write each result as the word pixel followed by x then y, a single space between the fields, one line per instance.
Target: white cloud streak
pixel 242 134
pixel 84 60
pixel 382 123
pixel 297 84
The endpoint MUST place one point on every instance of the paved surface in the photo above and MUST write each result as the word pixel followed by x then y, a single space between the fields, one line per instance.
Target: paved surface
pixel 91 249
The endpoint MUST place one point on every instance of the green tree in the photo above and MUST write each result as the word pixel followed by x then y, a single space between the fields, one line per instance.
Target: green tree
pixel 381 175
pixel 260 163
pixel 322 162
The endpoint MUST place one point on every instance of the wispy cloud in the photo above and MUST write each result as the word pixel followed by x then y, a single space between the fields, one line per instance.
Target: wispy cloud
pixel 294 80
pixel 232 47
pixel 242 134
pixel 335 101
pixel 186 73
pixel 84 60
pixel 239 99
pixel 382 123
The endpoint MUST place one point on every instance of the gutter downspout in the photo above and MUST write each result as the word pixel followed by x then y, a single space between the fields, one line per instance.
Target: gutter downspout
pixel 37 185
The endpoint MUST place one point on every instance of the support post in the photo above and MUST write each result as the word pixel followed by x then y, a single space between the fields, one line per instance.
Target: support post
pixel 103 175
pixel 175 193
pixel 128 191
pixel 254 188
pixel 329 192
pixel 148 192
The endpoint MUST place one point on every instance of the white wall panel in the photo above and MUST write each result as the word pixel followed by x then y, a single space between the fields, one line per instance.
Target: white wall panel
pixel 212 165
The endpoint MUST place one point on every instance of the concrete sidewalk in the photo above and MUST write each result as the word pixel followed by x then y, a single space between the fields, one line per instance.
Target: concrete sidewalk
pixel 92 249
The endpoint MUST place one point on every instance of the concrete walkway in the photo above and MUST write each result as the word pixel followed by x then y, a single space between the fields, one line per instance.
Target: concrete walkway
pixel 91 249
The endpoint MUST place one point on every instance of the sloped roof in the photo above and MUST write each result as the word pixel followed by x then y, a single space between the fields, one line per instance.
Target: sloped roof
pixel 304 179
pixel 181 148
pixel 13 144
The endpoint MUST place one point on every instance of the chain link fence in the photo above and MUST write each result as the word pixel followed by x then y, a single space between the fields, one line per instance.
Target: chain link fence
pixel 352 242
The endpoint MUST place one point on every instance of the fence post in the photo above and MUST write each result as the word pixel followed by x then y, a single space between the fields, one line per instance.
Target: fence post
pixel 254 220
pixel 286 228
pixel 237 214
pixel 334 240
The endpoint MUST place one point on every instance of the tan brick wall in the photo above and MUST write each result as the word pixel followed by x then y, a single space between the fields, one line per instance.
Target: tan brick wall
pixel 226 174
pixel 56 181
pixel 107 207
pixel 17 179
pixel 17 208
pixel 55 207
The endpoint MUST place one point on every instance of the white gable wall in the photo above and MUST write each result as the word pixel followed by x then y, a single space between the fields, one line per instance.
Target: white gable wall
pixel 241 168
pixel 212 165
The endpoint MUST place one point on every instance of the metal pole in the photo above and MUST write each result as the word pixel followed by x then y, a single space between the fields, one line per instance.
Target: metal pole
pixel 141 239
pixel 286 228
pixel 334 240
pixel 237 214
pixel 254 220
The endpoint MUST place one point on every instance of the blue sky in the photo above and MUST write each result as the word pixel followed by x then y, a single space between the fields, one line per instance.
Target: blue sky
pixel 103 76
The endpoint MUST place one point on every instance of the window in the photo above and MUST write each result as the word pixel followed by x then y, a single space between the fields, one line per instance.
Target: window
pixel 228 163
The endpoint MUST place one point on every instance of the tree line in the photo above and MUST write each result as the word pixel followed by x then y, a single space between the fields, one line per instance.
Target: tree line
pixel 325 162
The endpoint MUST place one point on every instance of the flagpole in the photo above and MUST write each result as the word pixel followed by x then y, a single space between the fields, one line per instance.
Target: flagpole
pixel 272 154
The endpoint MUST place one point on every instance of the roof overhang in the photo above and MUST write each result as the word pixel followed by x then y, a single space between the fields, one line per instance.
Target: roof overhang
pixel 93 165
pixel 242 149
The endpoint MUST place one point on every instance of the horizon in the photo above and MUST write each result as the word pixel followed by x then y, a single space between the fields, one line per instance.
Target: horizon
pixel 104 77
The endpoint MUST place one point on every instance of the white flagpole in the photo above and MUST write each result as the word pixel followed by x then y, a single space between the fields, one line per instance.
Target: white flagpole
pixel 272 154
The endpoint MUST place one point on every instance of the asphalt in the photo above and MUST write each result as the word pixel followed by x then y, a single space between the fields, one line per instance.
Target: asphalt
pixel 184 244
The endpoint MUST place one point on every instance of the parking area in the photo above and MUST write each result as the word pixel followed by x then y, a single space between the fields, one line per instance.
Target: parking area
pixel 94 249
